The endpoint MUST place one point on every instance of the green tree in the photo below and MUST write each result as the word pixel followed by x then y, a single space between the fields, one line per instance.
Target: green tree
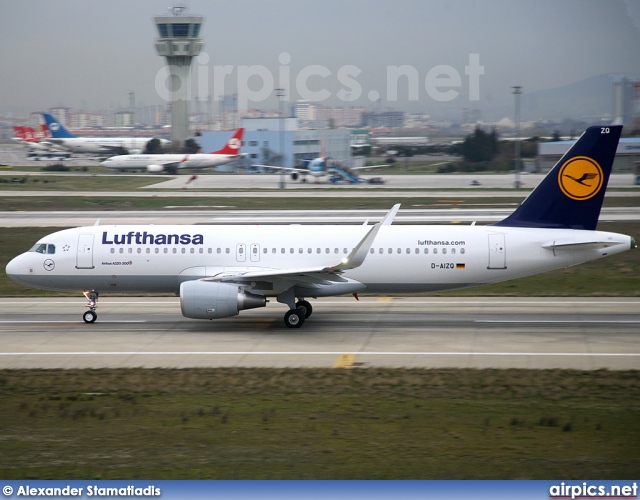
pixel 480 146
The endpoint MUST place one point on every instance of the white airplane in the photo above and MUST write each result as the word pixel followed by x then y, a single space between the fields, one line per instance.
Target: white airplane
pixel 173 162
pixel 219 271
pixel 321 167
pixel 38 147
pixel 60 136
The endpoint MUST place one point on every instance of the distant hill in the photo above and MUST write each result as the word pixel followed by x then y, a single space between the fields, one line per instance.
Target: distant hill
pixel 588 99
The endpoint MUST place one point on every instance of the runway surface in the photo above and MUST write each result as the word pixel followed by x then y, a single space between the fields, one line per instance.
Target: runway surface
pixel 267 185
pixel 220 216
pixel 579 333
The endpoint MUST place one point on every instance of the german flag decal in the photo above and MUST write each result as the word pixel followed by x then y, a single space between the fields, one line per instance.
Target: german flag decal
pixel 460 266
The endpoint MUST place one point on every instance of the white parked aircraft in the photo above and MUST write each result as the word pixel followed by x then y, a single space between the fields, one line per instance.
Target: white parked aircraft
pixel 36 142
pixel 60 136
pixel 221 270
pixel 317 168
pixel 173 162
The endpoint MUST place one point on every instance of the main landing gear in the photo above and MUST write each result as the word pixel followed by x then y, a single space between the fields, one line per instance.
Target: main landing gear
pixel 294 318
pixel 91 316
pixel 298 311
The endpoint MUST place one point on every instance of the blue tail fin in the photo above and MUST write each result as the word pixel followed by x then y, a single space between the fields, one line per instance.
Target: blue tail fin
pixel 571 194
pixel 56 128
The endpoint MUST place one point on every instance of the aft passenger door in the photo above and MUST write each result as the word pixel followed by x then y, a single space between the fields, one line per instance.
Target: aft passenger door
pixel 497 252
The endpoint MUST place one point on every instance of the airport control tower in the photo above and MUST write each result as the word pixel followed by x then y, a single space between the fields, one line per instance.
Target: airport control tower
pixel 178 42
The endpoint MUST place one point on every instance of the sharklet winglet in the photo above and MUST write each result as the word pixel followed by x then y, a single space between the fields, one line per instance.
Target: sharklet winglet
pixel 361 250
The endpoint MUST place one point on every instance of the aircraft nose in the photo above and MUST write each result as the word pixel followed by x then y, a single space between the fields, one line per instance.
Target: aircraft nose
pixel 12 268
pixel 16 268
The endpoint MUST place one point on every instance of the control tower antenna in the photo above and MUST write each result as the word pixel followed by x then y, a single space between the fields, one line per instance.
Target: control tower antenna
pixel 178 42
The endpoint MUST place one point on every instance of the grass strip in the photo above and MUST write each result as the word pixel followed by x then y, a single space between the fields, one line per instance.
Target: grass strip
pixel 234 423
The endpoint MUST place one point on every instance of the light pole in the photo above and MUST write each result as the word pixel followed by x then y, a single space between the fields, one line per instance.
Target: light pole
pixel 281 93
pixel 517 91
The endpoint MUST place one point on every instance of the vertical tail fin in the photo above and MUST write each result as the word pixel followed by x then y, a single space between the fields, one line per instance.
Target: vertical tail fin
pixel 44 131
pixel 27 134
pixel 232 146
pixel 18 132
pixel 56 128
pixel 571 194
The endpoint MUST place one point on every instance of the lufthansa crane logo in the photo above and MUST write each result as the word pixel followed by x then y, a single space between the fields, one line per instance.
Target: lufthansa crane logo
pixel 234 143
pixel 580 178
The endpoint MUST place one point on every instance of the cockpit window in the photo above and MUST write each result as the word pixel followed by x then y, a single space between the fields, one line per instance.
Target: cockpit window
pixel 43 248
pixel 39 248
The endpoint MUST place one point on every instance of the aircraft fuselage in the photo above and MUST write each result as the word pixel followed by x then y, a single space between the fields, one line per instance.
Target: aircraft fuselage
pixel 402 259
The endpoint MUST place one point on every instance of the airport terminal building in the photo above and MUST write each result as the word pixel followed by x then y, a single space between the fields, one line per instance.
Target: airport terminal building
pixel 263 142
pixel 627 156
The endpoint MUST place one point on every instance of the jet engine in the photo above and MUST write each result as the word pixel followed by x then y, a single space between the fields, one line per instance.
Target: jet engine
pixel 211 300
pixel 155 169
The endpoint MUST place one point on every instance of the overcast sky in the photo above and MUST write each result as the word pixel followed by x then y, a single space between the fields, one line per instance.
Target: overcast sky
pixel 89 54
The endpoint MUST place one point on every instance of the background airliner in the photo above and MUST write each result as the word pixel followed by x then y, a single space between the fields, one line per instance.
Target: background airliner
pixel 324 167
pixel 62 137
pixel 173 162
pixel 221 270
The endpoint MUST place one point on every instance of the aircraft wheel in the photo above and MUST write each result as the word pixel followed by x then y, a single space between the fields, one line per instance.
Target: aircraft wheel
pixel 304 307
pixel 294 318
pixel 90 317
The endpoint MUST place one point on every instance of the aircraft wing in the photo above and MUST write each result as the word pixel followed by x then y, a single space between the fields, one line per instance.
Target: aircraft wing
pixel 171 164
pixel 319 275
pixel 110 149
pixel 289 170
pixel 369 167
pixel 103 148
pixel 310 276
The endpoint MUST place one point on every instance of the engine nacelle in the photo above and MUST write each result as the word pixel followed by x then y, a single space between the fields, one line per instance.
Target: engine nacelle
pixel 211 300
pixel 155 169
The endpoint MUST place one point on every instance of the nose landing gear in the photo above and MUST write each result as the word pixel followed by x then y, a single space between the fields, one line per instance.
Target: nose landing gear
pixel 91 316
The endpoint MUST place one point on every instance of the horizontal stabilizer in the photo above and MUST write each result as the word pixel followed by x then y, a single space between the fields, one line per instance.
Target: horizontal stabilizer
pixel 572 245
